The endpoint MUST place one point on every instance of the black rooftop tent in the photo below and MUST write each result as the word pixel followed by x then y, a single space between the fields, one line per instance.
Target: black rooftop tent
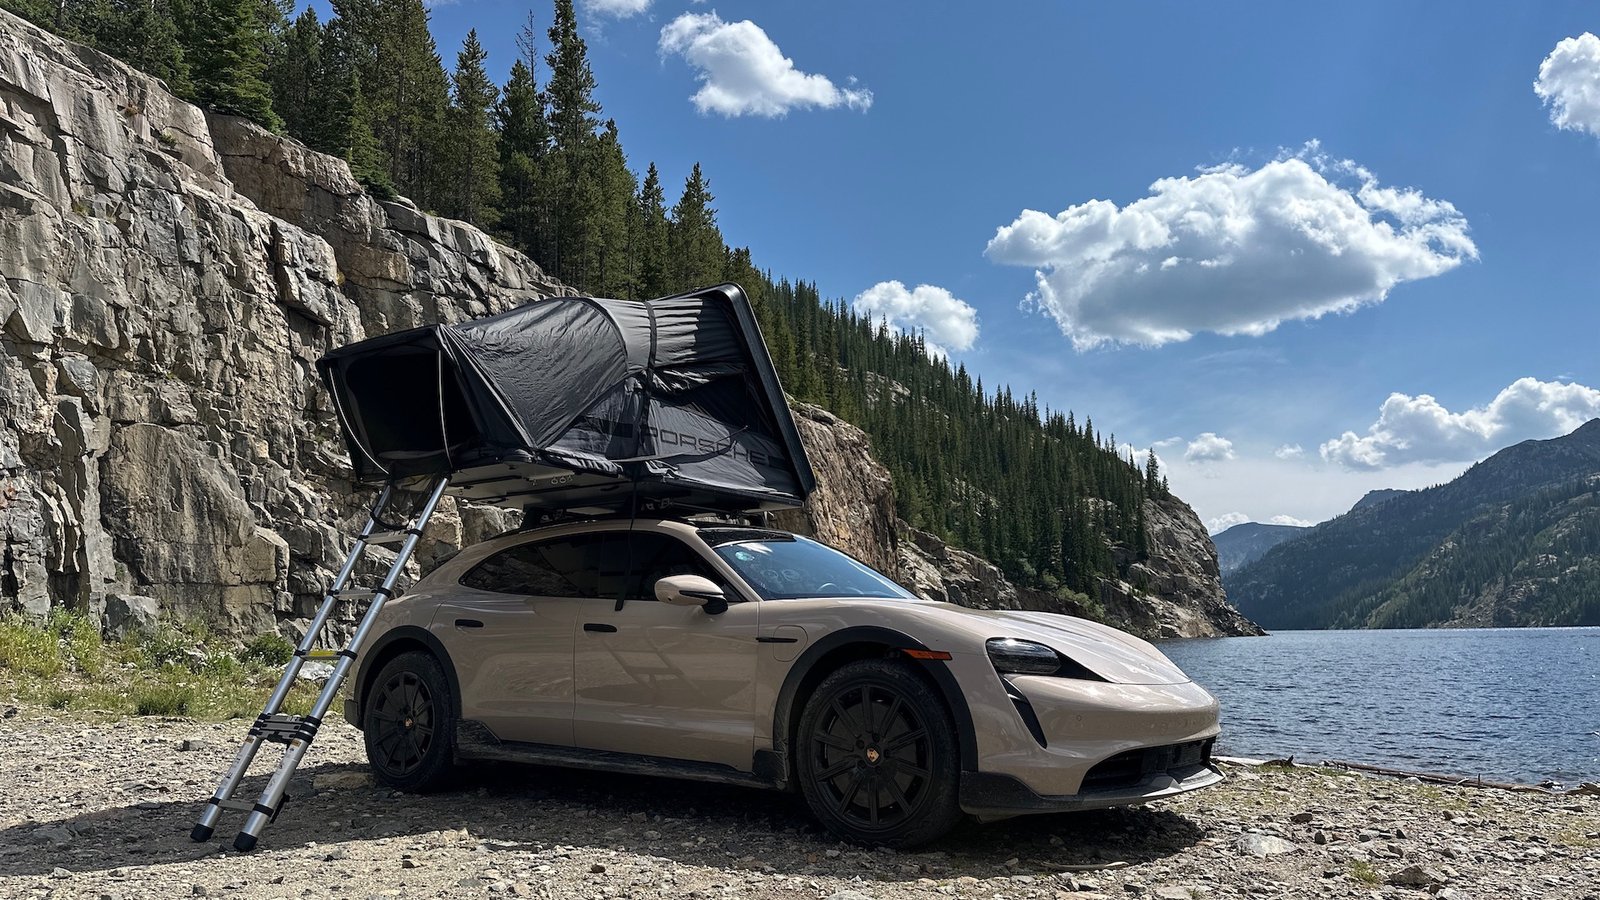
pixel 579 405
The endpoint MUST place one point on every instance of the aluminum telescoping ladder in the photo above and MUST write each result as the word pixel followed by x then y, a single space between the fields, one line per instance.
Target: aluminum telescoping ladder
pixel 297 732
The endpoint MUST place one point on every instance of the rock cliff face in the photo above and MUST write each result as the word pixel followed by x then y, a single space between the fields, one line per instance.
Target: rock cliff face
pixel 168 279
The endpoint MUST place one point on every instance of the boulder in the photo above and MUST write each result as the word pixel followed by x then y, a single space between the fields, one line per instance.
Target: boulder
pixel 127 614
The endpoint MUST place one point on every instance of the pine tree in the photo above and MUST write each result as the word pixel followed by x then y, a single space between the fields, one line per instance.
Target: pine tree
pixel 617 219
pixel 652 237
pixel 472 191
pixel 341 120
pixel 695 249
pixel 573 170
pixel 224 44
pixel 141 33
pixel 574 114
pixel 300 81
pixel 526 198
pixel 400 94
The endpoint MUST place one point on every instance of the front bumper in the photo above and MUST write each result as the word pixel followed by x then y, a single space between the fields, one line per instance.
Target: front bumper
pixel 1105 744
pixel 989 795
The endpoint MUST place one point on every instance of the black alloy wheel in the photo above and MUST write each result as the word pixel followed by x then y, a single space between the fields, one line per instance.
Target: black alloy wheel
pixel 408 724
pixel 877 757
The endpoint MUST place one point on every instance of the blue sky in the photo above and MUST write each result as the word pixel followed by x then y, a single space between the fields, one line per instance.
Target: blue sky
pixel 1477 270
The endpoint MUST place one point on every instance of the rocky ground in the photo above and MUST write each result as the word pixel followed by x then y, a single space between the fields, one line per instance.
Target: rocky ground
pixel 100 809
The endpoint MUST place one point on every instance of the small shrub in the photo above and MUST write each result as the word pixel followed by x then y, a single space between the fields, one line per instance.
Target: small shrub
pixel 79 640
pixel 222 665
pixel 162 699
pixel 270 649
pixel 166 138
pixel 378 185
pixel 164 647
pixel 1090 607
pixel 58 698
pixel 1362 871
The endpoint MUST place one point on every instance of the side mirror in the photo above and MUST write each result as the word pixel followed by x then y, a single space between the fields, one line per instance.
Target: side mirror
pixel 692 590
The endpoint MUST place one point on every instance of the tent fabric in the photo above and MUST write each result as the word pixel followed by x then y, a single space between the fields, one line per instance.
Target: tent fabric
pixel 579 403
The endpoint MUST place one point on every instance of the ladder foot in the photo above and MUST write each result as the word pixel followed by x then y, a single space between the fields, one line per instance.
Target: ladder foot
pixel 244 843
pixel 201 834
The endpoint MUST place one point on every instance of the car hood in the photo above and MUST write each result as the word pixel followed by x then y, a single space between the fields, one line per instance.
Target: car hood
pixel 1114 655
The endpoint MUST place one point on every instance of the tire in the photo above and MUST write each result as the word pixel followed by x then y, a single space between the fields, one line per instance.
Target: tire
pixel 891 779
pixel 409 724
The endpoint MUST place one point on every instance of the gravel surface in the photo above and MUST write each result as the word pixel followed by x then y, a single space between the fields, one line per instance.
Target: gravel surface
pixel 100 809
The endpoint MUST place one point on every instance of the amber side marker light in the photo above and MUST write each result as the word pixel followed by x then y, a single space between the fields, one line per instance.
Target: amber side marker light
pixel 926 654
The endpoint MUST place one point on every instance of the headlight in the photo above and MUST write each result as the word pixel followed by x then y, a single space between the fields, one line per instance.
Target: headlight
pixel 1013 657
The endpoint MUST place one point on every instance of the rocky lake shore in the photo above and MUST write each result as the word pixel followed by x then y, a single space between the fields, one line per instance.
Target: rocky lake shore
pixel 93 807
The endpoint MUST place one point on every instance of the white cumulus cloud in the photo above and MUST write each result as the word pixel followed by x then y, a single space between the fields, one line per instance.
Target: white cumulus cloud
pixel 743 73
pixel 1225 521
pixel 946 321
pixel 1208 447
pixel 617 9
pixel 1290 520
pixel 1231 250
pixel 1569 84
pixel 1420 429
pixel 1289 451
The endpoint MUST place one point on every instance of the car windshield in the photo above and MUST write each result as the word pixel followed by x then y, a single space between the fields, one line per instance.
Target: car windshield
pixel 785 567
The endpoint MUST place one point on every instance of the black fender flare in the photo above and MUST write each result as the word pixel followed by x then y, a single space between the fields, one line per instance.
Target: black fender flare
pixel 943 678
pixel 414 634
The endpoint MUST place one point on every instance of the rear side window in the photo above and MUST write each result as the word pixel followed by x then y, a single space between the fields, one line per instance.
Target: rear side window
pixel 588 565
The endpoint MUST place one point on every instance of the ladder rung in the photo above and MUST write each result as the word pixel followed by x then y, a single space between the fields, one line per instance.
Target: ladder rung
pixel 283 728
pixel 320 655
pixel 387 537
pixel 355 595
pixel 235 805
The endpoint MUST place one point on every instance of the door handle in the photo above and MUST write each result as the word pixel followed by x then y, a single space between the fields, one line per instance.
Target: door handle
pixel 468 623
pixel 601 627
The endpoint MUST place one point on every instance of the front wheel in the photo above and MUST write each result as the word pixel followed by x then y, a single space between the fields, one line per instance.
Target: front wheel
pixel 877 756
pixel 409 724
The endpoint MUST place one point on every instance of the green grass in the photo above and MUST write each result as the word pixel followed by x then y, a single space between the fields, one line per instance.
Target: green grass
pixel 162 699
pixel 66 641
pixel 62 663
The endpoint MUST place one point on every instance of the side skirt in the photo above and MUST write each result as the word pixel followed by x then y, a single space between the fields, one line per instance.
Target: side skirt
pixel 474 741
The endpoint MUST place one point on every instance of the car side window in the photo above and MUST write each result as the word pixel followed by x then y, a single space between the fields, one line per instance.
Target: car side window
pixel 587 565
pixel 655 556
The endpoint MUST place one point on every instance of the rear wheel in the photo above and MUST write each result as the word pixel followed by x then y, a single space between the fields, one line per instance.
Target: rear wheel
pixel 877 756
pixel 409 724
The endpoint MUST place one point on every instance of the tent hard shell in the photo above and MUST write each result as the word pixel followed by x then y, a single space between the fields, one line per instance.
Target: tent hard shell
pixel 579 405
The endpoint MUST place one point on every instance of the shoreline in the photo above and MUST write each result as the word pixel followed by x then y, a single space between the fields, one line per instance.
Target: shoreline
pixel 1583 788
pixel 104 808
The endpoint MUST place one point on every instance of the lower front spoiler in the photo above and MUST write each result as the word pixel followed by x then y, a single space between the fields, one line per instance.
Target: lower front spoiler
pixel 988 795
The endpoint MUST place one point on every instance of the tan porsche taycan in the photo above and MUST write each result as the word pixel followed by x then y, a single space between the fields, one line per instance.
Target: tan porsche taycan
pixel 757 657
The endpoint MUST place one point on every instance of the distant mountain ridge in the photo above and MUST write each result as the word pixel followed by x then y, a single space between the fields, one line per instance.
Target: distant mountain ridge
pixel 1515 540
pixel 1246 542
pixel 1373 498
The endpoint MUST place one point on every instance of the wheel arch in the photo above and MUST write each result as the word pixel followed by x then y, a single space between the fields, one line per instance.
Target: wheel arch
pixel 848 645
pixel 392 643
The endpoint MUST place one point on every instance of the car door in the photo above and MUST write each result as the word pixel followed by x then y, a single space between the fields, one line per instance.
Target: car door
pixel 662 680
pixel 509 630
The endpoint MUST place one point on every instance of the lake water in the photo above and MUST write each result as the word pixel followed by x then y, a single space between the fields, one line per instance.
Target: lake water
pixel 1506 704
